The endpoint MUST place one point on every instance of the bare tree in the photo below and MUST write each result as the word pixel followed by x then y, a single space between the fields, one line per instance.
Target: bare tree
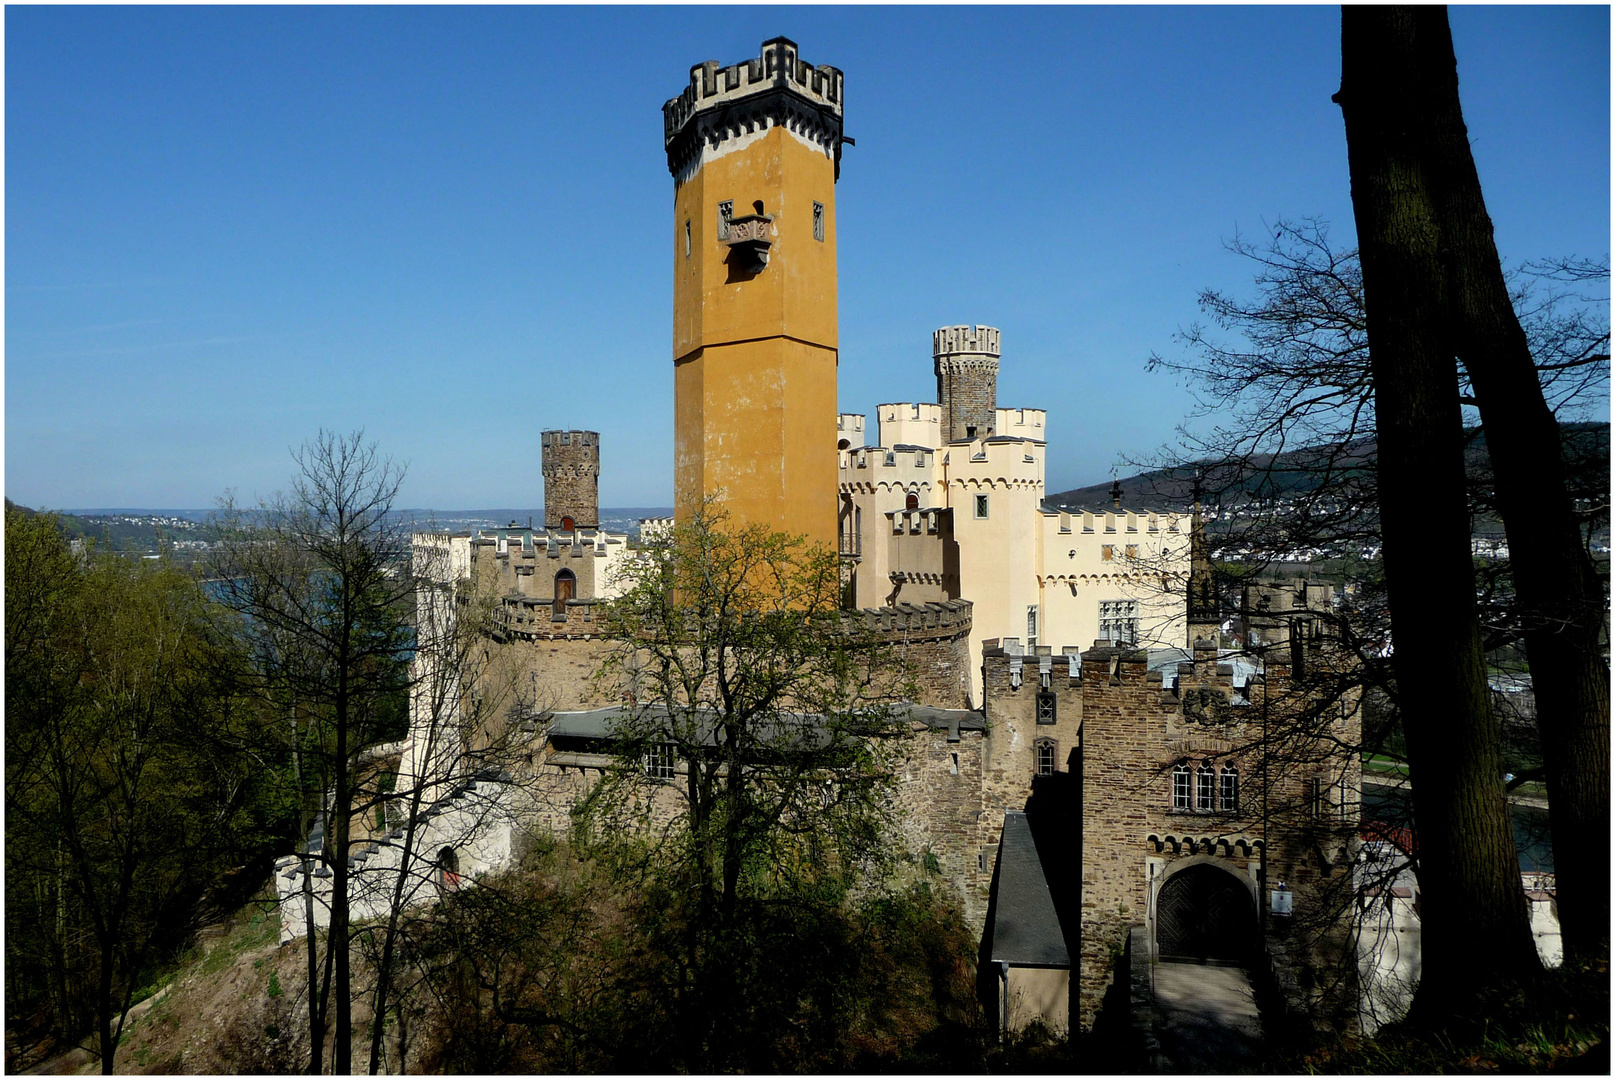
pixel 1469 872
pixel 321 576
pixel 1563 611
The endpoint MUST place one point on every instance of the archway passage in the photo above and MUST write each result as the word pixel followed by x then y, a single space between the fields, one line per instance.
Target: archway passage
pixel 1204 915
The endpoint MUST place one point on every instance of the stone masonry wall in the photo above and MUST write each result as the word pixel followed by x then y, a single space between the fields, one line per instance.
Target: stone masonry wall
pixel 928 650
pixel 1124 724
pixel 1012 682
pixel 938 811
pixel 571 462
pixel 967 379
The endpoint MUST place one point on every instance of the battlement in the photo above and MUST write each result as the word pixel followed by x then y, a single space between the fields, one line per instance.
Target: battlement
pixel 776 88
pixel 966 340
pixel 778 68
pixel 557 437
pixel 937 619
pixel 571 469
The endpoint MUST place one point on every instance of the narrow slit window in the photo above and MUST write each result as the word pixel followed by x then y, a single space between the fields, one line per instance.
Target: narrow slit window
pixel 818 221
pixel 686 238
pixel 726 213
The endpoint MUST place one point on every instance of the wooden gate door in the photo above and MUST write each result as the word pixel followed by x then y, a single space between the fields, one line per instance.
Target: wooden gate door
pixel 1204 915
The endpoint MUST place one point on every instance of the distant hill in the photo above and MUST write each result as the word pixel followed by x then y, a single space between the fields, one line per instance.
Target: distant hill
pixel 148 531
pixel 1586 445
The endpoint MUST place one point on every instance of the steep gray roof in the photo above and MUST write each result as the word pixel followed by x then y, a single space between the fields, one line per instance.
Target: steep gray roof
pixel 1025 928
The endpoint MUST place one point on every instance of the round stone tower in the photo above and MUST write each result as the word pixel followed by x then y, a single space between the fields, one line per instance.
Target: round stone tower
pixel 967 380
pixel 571 479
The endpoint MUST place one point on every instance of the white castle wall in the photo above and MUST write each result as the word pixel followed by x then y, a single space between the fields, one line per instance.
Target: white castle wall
pixel 1075 577
pixel 477 824
pixel 911 424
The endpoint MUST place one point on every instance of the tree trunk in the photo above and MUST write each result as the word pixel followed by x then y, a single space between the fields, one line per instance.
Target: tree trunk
pixel 1556 586
pixel 316 1025
pixel 1468 868
pixel 395 911
pixel 337 943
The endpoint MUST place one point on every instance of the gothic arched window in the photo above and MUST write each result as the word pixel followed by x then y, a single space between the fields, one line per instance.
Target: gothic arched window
pixel 1180 787
pixel 1204 789
pixel 1228 796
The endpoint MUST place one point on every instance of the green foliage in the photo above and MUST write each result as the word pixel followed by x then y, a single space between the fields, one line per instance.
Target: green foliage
pixel 563 965
pixel 125 797
pixel 274 986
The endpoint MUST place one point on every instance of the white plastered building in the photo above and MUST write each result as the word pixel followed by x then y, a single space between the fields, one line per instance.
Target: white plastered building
pixel 948 503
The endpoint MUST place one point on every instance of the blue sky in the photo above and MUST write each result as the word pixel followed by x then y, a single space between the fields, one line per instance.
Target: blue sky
pixel 229 227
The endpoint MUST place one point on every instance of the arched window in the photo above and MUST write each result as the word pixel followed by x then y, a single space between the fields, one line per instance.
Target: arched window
pixel 448 866
pixel 566 587
pixel 1204 789
pixel 912 502
pixel 1047 750
pixel 1180 787
pixel 1228 795
pixel 567 524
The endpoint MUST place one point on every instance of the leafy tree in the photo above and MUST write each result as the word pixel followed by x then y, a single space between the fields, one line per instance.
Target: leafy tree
pixel 750 757
pixel 124 798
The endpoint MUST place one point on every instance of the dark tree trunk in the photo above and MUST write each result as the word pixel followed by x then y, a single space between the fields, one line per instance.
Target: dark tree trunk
pixel 1468 868
pixel 1560 599
pixel 338 943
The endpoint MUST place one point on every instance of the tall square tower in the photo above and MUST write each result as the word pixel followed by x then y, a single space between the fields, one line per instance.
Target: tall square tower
pixel 755 151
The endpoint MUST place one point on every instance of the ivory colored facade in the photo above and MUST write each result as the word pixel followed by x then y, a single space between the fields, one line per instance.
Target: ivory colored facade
pixel 948 504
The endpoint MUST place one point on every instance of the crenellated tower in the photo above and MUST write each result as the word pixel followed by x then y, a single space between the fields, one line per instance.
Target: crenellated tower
pixel 755 151
pixel 967 380
pixel 571 461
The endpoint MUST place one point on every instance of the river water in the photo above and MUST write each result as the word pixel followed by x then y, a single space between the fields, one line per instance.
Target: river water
pixel 1390 804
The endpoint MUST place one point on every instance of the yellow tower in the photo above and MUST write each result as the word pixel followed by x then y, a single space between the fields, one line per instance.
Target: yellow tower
pixel 755 151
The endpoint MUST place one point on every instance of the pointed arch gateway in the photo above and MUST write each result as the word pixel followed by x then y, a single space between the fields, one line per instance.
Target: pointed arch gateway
pixel 566 587
pixel 1205 914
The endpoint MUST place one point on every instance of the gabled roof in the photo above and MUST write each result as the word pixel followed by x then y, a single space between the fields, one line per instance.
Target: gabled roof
pixel 1026 930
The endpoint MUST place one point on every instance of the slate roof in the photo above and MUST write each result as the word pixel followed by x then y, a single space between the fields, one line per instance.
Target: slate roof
pixel 599 723
pixel 1026 931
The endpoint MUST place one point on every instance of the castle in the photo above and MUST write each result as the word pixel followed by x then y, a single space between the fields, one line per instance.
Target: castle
pixel 1080 766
